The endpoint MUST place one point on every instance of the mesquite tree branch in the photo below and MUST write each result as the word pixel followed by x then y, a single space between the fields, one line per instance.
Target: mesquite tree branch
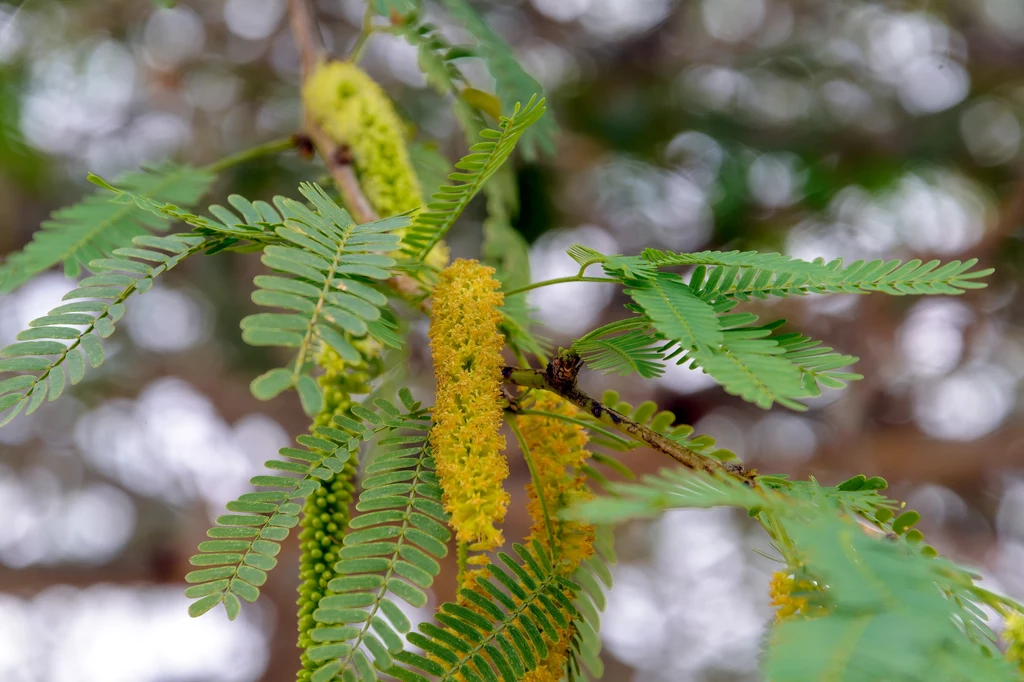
pixel 559 377
pixel 337 157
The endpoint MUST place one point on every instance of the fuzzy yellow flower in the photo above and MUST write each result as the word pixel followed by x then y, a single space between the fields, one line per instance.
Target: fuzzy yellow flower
pixel 559 450
pixel 466 443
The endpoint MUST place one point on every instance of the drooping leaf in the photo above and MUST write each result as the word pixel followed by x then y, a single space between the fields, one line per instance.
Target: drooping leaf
pixel 56 342
pixel 95 226
pixel 474 170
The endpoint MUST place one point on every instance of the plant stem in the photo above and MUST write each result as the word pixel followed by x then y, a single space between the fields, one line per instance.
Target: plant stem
pixel 364 35
pixel 265 149
pixel 559 377
pixel 462 559
pixel 536 483
pixel 560 280
pixel 581 422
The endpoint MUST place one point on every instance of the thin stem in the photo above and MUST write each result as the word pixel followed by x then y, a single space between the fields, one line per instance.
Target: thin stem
pixel 265 149
pixel 559 377
pixel 462 558
pixel 560 280
pixel 580 422
pixel 364 35
pixel 536 482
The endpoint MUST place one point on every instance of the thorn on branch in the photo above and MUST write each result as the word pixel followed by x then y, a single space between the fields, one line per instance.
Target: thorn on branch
pixel 304 144
pixel 343 156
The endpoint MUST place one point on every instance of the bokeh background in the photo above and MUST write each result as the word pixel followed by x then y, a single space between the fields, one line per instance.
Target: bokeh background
pixel 833 128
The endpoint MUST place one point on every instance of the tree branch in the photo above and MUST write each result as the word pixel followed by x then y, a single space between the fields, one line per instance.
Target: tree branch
pixel 559 377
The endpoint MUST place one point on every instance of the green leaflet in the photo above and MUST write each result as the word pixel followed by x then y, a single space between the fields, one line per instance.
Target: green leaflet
pixel 95 226
pixel 268 517
pixel 893 613
pixel 623 347
pixel 595 577
pixel 485 158
pixel 676 312
pixel 52 349
pixel 391 552
pixel 255 222
pixel 513 83
pixel 506 638
pixel 263 519
pixel 327 269
pixel 750 274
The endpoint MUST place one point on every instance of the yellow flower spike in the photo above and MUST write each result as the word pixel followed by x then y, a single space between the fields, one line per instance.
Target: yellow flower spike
pixel 559 450
pixel 1013 635
pixel 552 668
pixel 466 443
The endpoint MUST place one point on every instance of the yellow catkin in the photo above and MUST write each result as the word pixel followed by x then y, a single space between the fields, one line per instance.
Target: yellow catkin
pixel 465 440
pixel 1013 635
pixel 356 113
pixel 559 450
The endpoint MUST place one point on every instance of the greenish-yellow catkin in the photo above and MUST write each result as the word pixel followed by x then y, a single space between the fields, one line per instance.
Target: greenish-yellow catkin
pixel 326 515
pixel 356 112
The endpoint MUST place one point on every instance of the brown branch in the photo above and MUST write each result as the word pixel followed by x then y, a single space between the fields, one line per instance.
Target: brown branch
pixel 559 377
pixel 307 35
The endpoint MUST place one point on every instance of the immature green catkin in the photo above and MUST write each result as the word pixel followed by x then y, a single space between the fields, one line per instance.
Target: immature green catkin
pixel 325 516
pixel 356 113
pixel 350 107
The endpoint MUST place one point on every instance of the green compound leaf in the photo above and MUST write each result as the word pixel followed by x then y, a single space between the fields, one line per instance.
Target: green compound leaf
pixel 95 226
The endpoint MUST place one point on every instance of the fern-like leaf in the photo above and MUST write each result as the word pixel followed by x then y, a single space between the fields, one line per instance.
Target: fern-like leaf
pixel 256 222
pixel 624 347
pixel 485 158
pixel 434 55
pixel 329 266
pixel 503 636
pixel 750 364
pixel 670 489
pixel 390 552
pixel 887 614
pixel 243 545
pixel 661 421
pixel 513 83
pixel 818 365
pixel 750 274
pixel 594 577
pixel 95 226
pixel 676 312
pixel 50 352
